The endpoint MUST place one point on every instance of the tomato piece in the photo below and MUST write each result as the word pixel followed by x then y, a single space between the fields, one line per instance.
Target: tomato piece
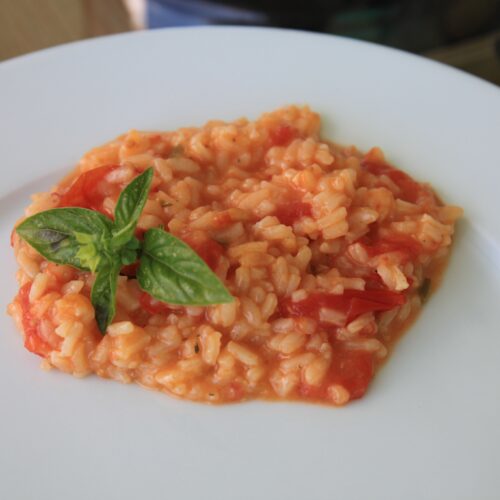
pixel 282 135
pixel 207 248
pixel 380 296
pixel 353 370
pixel 311 305
pixel 351 302
pixel 130 270
pixel 139 233
pixel 363 301
pixel 389 247
pixel 288 213
pixel 395 243
pixel 32 340
pixel 152 305
pixel 411 190
pixel 374 282
pixel 90 189
pixel 375 244
pixel 359 306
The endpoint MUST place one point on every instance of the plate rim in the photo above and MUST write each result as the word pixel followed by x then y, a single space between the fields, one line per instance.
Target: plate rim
pixel 53 50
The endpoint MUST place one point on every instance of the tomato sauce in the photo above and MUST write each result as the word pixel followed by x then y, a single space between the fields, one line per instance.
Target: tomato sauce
pixel 130 270
pixel 288 213
pixel 152 305
pixel 351 369
pixel 345 357
pixel 235 392
pixel 282 135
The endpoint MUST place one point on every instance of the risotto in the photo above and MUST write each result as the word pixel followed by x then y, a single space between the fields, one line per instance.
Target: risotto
pixel 329 254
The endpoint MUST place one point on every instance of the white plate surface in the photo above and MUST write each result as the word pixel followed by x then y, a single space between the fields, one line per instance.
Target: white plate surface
pixel 429 428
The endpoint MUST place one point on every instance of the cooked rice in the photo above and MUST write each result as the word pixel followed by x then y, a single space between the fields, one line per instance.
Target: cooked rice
pixel 293 217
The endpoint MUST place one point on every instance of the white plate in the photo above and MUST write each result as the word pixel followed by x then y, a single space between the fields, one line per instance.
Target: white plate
pixel 429 426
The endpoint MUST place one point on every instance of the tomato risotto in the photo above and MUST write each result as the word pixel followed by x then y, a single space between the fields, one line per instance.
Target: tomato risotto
pixel 328 254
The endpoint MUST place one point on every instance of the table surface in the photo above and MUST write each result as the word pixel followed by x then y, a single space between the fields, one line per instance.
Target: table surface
pixel 29 25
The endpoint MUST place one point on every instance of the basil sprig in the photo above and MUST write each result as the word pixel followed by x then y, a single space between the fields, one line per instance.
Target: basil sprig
pixel 169 270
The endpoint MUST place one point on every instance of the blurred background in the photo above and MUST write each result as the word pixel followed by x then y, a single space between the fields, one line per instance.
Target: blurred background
pixel 462 33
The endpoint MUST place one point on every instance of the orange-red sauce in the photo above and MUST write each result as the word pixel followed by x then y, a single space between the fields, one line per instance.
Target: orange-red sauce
pixel 352 369
pixel 32 339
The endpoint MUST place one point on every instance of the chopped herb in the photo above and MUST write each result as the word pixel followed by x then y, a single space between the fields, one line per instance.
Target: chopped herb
pixel 221 242
pixel 169 270
pixel 176 151
pixel 424 289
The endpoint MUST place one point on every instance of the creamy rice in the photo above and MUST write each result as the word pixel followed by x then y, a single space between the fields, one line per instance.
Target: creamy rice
pixel 328 252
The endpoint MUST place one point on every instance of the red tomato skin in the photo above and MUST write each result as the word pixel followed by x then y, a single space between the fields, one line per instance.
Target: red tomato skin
pixel 351 302
pixel 89 189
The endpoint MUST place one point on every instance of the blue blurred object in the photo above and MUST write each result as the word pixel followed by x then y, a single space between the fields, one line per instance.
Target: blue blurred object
pixel 414 25
pixel 168 13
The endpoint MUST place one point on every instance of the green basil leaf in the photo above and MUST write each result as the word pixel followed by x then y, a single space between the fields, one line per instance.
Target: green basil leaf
pixel 74 236
pixel 172 272
pixel 103 294
pixel 129 207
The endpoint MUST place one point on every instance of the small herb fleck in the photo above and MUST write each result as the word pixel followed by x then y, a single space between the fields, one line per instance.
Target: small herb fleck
pixel 176 151
pixel 196 348
pixel 424 289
